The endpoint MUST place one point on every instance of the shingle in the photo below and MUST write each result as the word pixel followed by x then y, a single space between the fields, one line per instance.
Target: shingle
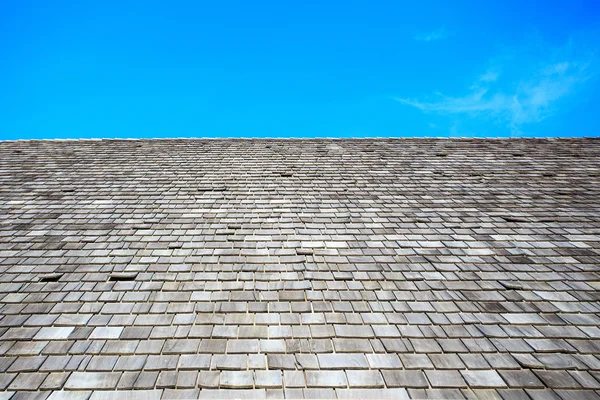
pixel 294 379
pixel 446 361
pixel 180 346
pixel 149 346
pixel 272 346
pixel 405 378
pixel 364 379
pixel 55 363
pixel 54 333
pixel 268 379
pixel 145 380
pixel 107 332
pixel 352 345
pixel 445 379
pixel 353 331
pixel 384 361
pixel 214 346
pixel 585 379
pixel 166 379
pixel 281 361
pixel 92 380
pixel 416 361
pixel 180 394
pixel 70 395
pixel 232 394
pixel 326 379
pixel 242 346
pixel 257 361
pixel 372 394
pixel 102 363
pixel 343 361
pixel 26 364
pixel 557 379
pixel 230 362
pixel 483 379
pixel 194 361
pixel 130 363
pixel 236 379
pixel 19 333
pixel 54 381
pixel 6 379
pixel 27 381
pixel 513 394
pixel 306 361
pixel 133 395
pixel 155 362
pixel 521 379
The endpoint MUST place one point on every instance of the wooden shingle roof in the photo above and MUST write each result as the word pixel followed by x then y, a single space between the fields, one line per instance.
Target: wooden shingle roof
pixel 363 268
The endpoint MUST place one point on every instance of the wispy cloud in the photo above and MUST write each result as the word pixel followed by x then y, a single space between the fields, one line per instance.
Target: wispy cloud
pixel 489 76
pixel 522 100
pixel 438 34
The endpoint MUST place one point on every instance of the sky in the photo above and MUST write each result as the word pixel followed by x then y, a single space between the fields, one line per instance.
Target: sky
pixel 313 68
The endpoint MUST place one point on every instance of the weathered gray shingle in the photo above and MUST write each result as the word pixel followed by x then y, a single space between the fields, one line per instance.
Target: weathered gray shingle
pixel 372 268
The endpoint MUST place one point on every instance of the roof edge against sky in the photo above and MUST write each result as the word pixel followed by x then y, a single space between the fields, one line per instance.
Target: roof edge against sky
pixel 308 138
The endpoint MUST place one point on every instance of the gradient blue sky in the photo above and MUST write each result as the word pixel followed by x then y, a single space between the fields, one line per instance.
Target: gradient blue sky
pixel 107 69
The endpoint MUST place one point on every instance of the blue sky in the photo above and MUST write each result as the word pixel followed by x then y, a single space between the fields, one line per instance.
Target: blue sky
pixel 107 69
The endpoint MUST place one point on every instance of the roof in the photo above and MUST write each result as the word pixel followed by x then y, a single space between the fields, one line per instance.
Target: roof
pixel 300 268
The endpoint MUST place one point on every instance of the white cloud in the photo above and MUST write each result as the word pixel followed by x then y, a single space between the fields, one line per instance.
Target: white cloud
pixel 489 76
pixel 522 101
pixel 435 35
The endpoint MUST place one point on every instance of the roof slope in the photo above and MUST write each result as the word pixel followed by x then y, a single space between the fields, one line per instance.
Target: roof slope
pixel 300 268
